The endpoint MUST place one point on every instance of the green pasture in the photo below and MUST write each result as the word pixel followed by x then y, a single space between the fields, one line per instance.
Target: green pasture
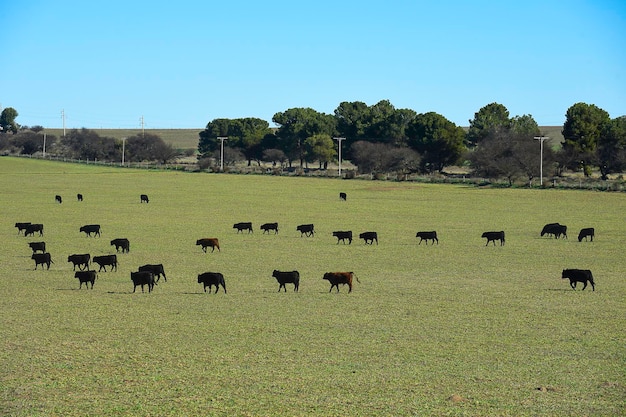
pixel 455 329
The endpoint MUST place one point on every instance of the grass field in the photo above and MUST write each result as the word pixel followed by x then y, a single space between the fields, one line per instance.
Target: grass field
pixel 455 329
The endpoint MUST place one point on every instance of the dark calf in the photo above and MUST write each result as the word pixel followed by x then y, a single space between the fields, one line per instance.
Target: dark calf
pixel 287 277
pixel 343 236
pixel 80 260
pixel 493 236
pixel 121 243
pixel 579 275
pixel 270 226
pixel 369 237
pixel 427 236
pixel 142 278
pixel 86 277
pixel 243 226
pixel 38 246
pixel 157 270
pixel 208 279
pixel 42 259
pixel 587 232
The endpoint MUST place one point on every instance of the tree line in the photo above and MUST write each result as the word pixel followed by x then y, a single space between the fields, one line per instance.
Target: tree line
pixel 376 138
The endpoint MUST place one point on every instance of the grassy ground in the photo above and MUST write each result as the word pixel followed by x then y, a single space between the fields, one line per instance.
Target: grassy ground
pixel 179 138
pixel 455 329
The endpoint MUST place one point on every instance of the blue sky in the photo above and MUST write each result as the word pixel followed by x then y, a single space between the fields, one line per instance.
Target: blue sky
pixel 182 64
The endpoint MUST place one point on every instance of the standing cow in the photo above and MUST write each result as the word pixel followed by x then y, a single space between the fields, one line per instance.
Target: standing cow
pixel 42 259
pixel 243 226
pixel 80 260
pixel 427 236
pixel 343 196
pixel 369 237
pixel 306 230
pixel 343 278
pixel 208 279
pixel 493 236
pixel 86 277
pixel 32 228
pixel 79 197
pixel 343 236
pixel 104 261
pixel 142 278
pixel 37 246
pixel 144 198
pixel 157 270
pixel 121 243
pixel 21 226
pixel 209 242
pixel 88 229
pixel 266 227
pixel 58 199
pixel 287 277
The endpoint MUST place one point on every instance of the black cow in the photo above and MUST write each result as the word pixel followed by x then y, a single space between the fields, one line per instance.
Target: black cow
pixel 144 198
pixel 343 278
pixel 287 277
pixel 32 228
pixel 58 199
pixel 579 275
pixel 270 226
pixel 306 230
pixel 493 236
pixel 79 197
pixel 157 270
pixel 91 228
pixel 122 243
pixel 37 246
pixel 586 232
pixel 243 226
pixel 142 278
pixel 86 277
pixel 21 226
pixel 80 260
pixel 104 261
pixel 554 229
pixel 343 236
pixel 212 278
pixel 343 196
pixel 209 242
pixel 427 236
pixel 369 237
pixel 42 259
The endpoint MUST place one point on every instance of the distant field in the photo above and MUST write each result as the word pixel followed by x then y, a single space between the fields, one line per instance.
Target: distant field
pixel 179 138
pixel 455 329
pixel 188 138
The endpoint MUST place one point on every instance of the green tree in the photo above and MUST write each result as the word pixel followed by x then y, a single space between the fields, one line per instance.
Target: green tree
pixel 525 125
pixel 208 142
pixel 87 144
pixel 583 126
pixel 611 150
pixel 7 120
pixel 491 118
pixel 439 141
pixel 320 148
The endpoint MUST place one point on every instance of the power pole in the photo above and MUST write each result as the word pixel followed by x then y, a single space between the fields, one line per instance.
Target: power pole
pixel 143 133
pixel 222 138
pixel 541 139
pixel 63 117
pixel 339 146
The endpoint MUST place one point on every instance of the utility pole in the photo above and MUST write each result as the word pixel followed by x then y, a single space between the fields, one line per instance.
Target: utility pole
pixel 143 133
pixel 44 145
pixel 339 146
pixel 541 139
pixel 222 138
pixel 63 117
pixel 123 149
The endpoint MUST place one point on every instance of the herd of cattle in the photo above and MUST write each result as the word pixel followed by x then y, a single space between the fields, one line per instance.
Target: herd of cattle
pixel 149 275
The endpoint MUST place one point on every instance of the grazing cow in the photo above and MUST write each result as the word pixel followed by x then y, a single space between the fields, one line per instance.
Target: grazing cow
pixel 554 229
pixel 38 246
pixel 144 198
pixel 91 228
pixel 306 230
pixel 21 226
pixel 42 259
pixel 82 261
pixel 427 236
pixel 212 278
pixel 104 261
pixel 579 275
pixel 86 277
pixel 243 226
pixel 142 278
pixel 586 232
pixel 32 228
pixel 343 235
pixel 343 278
pixel 343 196
pixel 493 236
pixel 122 243
pixel 287 277
pixel 270 226
pixel 209 242
pixel 157 270
pixel 58 199
pixel 369 237
pixel 79 197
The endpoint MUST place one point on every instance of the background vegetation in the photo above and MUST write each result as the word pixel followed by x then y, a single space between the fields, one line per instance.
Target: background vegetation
pixel 455 329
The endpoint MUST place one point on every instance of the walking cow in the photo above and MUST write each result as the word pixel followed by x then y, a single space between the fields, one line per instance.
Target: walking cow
pixel 287 277
pixel 493 236
pixel 38 246
pixel 104 261
pixel 579 275
pixel 91 228
pixel 80 260
pixel 306 230
pixel 86 277
pixel 243 226
pixel 209 242
pixel 142 278
pixel 343 236
pixel 343 278
pixel 157 270
pixel 369 237
pixel 32 228
pixel 42 259
pixel 427 236
pixel 208 279
pixel 122 243
pixel 266 227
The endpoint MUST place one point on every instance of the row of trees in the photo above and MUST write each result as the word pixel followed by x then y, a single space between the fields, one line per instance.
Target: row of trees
pixel 381 138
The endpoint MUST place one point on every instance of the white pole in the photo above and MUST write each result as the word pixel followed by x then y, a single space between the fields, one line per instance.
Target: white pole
pixel 123 149
pixel 222 138
pixel 339 146
pixel 541 139
pixel 63 117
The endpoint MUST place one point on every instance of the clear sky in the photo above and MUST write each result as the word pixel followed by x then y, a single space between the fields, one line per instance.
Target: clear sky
pixel 181 64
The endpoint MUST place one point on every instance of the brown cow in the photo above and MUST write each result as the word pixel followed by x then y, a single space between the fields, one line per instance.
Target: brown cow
pixel 207 242
pixel 336 278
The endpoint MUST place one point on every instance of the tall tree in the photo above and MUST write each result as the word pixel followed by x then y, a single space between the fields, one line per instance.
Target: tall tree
pixel 525 125
pixel 439 141
pixel 611 149
pixel 7 120
pixel 583 126
pixel 490 118
pixel 319 148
